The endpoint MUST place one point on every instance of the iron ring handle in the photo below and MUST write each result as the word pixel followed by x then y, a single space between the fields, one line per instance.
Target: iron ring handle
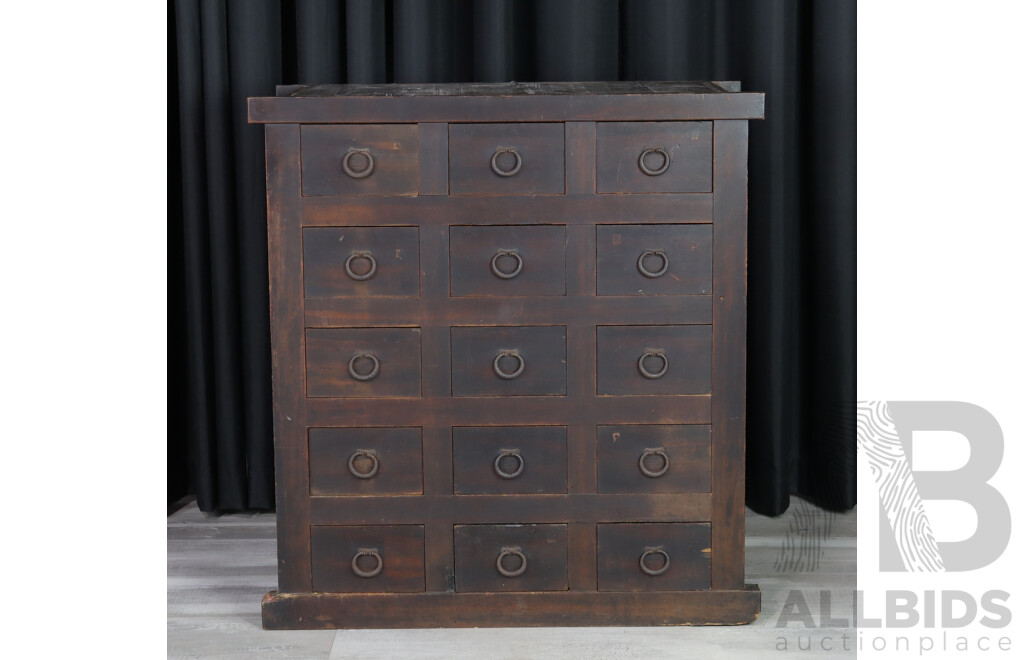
pixel 363 377
pixel 652 253
pixel 360 254
pixel 506 253
pixel 654 572
pixel 648 171
pixel 362 174
pixel 653 352
pixel 654 451
pixel 506 375
pixel 514 453
pixel 505 552
pixel 367 552
pixel 506 150
pixel 364 453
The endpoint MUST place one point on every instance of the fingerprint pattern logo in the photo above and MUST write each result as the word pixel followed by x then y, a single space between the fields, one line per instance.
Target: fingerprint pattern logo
pixel 879 441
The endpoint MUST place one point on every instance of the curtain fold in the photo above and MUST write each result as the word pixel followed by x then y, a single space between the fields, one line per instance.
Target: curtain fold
pixel 802 281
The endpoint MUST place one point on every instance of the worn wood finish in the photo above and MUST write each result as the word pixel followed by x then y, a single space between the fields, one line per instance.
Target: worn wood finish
pixel 678 458
pixel 544 547
pixel 568 400
pixel 537 267
pixel 477 360
pixel 399 558
pixel 686 347
pixel 394 150
pixel 624 550
pixel 532 155
pixel 676 258
pixel 340 462
pixel 531 459
pixel 623 148
pixel 384 261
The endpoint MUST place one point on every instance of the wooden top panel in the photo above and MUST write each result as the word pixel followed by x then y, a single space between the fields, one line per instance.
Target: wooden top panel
pixel 501 102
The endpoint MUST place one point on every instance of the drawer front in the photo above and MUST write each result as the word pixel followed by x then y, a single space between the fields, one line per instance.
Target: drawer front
pixel 653 260
pixel 365 461
pixel 508 361
pixel 360 261
pixel 654 359
pixel 509 459
pixel 652 458
pixel 653 557
pixel 362 362
pixel 626 149
pixel 525 260
pixel 360 159
pixel 370 559
pixel 506 159
pixel 511 557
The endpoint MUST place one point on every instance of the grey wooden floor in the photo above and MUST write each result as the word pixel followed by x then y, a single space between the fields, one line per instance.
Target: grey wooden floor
pixel 218 569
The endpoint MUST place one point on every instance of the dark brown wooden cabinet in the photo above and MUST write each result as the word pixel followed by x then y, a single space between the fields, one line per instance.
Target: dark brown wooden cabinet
pixel 508 326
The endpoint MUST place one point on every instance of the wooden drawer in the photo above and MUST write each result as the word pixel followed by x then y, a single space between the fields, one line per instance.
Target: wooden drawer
pixel 365 461
pixel 509 459
pixel 506 159
pixel 360 159
pixel 532 557
pixel 386 557
pixel 653 458
pixel 632 557
pixel 653 260
pixel 360 261
pixel 524 260
pixel 676 359
pixel 362 362
pixel 508 361
pixel 624 149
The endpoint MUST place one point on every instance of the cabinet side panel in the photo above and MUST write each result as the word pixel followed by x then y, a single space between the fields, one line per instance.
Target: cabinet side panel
pixel 284 239
pixel 728 370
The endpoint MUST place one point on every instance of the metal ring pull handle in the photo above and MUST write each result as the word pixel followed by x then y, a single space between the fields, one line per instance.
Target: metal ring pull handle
pixel 514 453
pixel 360 254
pixel 367 552
pixel 506 253
pixel 655 273
pixel 372 455
pixel 650 353
pixel 347 165
pixel 656 172
pixel 654 451
pixel 506 150
pixel 363 377
pixel 508 375
pixel 653 572
pixel 505 552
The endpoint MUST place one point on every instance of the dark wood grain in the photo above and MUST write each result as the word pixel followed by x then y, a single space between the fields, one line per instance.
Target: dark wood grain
pixel 399 453
pixel 620 145
pixel 400 548
pixel 540 448
pixel 541 249
pixel 580 156
pixel 395 250
pixel 542 356
pixel 395 152
pixel 620 547
pixel 620 448
pixel 477 548
pixel 541 154
pixel 329 350
pixel 620 247
pixel 687 347
pixel 433 159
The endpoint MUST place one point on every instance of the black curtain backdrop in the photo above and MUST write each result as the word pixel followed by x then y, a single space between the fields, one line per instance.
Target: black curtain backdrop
pixel 802 281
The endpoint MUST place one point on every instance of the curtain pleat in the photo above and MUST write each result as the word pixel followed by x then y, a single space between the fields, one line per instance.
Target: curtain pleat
pixel 801 270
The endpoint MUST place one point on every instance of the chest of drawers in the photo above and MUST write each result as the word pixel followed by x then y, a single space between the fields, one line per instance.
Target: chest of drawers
pixel 508 329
